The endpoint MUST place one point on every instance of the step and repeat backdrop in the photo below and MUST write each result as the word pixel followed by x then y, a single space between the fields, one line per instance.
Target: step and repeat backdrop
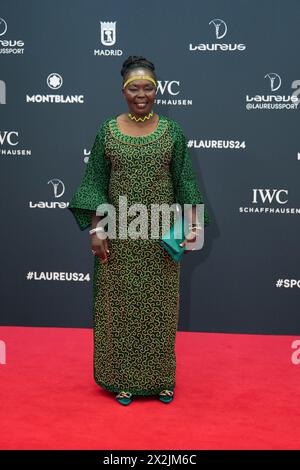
pixel 229 73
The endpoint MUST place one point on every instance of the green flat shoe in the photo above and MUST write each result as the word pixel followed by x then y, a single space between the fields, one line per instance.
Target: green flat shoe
pixel 125 398
pixel 166 396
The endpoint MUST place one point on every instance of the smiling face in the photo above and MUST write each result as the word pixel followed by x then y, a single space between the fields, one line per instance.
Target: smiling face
pixel 140 93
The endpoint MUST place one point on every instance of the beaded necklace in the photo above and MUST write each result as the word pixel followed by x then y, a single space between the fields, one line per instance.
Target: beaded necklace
pixel 134 118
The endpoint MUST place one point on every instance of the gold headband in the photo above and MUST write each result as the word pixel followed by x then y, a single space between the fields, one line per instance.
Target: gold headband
pixel 139 77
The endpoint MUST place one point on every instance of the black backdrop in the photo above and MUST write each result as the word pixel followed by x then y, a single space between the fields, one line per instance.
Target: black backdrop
pixel 215 60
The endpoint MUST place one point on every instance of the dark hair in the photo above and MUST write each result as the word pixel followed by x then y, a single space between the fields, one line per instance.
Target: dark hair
pixel 134 61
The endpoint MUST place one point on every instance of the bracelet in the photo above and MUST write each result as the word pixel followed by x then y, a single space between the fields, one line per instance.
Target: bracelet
pixel 195 226
pixel 97 229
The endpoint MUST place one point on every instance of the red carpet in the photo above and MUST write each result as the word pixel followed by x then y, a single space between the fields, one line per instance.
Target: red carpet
pixel 232 392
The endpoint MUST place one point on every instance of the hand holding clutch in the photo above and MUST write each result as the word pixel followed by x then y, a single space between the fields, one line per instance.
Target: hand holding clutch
pixel 174 241
pixel 191 236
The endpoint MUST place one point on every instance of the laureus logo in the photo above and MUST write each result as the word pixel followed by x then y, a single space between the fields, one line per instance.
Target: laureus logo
pixel 275 81
pixel 58 188
pixel 3 26
pixel 274 101
pixel 220 29
pixel 9 46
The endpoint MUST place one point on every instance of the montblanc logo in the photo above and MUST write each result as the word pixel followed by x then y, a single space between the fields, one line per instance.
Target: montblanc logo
pixel 171 88
pixel 108 37
pixel 220 30
pixel 9 141
pixel 54 82
pixel 9 46
pixel 274 101
pixel 269 201
pixel 58 189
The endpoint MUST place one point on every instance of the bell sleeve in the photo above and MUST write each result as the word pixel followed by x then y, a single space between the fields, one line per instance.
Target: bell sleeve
pixel 185 183
pixel 93 189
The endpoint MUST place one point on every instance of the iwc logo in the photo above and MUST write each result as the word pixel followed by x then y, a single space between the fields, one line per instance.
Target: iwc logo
pixel 9 145
pixel 270 201
pixel 167 94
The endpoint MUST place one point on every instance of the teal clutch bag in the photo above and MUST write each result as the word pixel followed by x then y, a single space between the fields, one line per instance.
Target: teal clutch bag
pixel 172 238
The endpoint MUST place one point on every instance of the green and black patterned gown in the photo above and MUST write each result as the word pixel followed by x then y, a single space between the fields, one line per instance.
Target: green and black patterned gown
pixel 136 294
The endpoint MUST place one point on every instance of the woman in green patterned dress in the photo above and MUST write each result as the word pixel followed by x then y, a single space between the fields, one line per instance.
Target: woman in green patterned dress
pixel 143 156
